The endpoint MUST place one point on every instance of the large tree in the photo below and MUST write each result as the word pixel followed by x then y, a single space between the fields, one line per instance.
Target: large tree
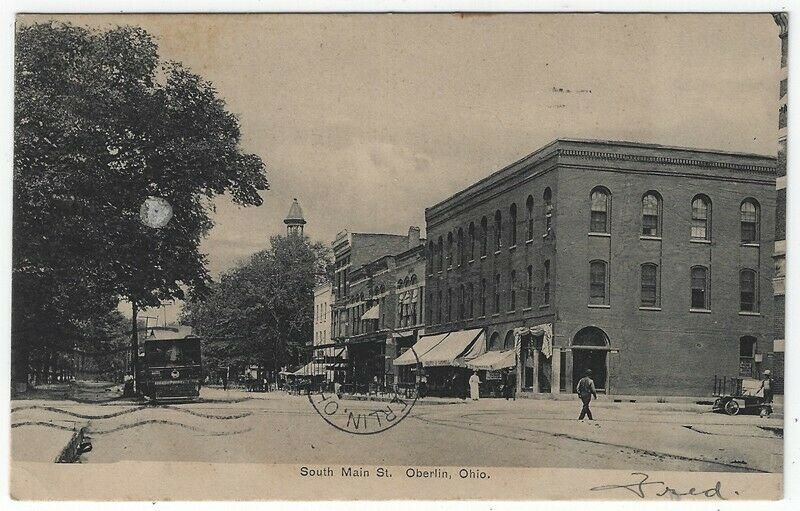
pixel 102 123
pixel 262 311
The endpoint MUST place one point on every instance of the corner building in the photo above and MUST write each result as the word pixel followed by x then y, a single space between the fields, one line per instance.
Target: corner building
pixel 650 265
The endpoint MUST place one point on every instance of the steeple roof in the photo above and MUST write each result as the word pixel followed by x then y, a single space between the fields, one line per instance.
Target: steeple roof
pixel 295 215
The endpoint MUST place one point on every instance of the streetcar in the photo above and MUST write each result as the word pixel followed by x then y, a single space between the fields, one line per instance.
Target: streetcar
pixel 171 369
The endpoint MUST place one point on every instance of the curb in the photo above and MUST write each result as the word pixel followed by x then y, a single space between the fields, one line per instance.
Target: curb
pixel 77 445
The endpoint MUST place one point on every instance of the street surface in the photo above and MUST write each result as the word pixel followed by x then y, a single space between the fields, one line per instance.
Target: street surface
pixel 239 427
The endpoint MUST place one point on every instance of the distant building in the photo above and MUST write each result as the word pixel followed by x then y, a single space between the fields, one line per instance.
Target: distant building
pixel 323 300
pixel 294 219
pixel 779 253
pixel 650 265
pixel 378 291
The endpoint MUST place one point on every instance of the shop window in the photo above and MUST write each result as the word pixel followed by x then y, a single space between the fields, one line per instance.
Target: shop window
pixel 747 355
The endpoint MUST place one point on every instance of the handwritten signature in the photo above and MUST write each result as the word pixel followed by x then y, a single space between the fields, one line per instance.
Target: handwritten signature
pixel 663 490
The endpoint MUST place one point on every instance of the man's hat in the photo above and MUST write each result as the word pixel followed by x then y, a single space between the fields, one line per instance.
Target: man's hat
pixel 588 372
pixel 767 372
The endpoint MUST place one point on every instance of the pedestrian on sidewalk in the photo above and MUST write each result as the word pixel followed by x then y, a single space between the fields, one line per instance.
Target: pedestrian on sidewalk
pixel 510 385
pixel 586 390
pixel 474 386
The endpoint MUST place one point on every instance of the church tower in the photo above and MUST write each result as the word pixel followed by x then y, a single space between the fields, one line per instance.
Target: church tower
pixel 294 220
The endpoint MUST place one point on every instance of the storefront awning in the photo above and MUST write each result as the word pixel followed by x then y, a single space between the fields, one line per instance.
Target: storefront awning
pixel 373 313
pixel 493 361
pixel 310 369
pixel 421 347
pixel 457 348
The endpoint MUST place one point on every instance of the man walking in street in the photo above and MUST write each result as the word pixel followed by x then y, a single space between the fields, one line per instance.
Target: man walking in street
pixel 585 391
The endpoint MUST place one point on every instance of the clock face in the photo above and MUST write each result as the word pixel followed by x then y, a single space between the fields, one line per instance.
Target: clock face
pixel 155 212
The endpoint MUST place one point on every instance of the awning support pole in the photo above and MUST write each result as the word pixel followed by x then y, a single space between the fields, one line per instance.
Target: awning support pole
pixel 536 354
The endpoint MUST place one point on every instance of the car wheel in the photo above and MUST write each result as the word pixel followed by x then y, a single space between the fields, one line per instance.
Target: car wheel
pixel 732 407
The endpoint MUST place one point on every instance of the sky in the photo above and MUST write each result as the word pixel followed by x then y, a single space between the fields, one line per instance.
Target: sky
pixel 369 119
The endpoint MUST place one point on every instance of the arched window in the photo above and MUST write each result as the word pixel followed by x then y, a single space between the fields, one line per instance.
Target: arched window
pixel 601 204
pixel 649 290
pixel 483 297
pixel 546 284
pixel 471 241
pixel 497 293
pixel 494 340
pixel 651 214
pixel 547 198
pixel 470 300
pixel 701 218
pixel 484 235
pixel 399 284
pixel 430 257
pixel 461 302
pixel 508 343
pixel 460 242
pixel 406 281
pixel 428 309
pixel 529 289
pixel 700 288
pixel 498 230
pixel 529 217
pixel 440 255
pixel 512 292
pixel 383 288
pixel 513 222
pixel 598 283
pixel 748 291
pixel 449 304
pixel 449 249
pixel 439 302
pixel 747 352
pixel 413 279
pixel 749 212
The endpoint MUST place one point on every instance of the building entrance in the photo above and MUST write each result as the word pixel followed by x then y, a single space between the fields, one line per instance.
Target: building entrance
pixel 590 348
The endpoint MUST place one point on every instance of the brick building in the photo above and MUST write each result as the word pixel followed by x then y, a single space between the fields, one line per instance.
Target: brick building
pixel 651 265
pixel 779 254
pixel 378 291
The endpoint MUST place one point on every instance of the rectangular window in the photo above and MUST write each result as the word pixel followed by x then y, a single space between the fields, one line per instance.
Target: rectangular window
pixel 699 288
pixel 597 283
pixel 649 285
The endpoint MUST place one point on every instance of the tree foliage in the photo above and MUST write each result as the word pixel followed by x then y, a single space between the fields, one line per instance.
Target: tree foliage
pixel 101 123
pixel 262 311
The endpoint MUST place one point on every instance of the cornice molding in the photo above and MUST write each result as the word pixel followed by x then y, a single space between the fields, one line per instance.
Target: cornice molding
pixel 665 160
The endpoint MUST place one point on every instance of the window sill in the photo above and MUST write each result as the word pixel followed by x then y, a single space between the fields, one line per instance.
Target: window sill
pixel 511 312
pixel 600 234
pixel 439 272
pixel 483 257
pixel 702 242
pixel 544 306
pixel 496 314
pixel 450 268
pixel 643 308
pixel 599 306
pixel 471 261
pixel 497 252
pixel 651 238
pixel 528 242
pixel 527 309
pixel 756 245
pixel 545 235
pixel 701 311
pixel 748 313
pixel 482 317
